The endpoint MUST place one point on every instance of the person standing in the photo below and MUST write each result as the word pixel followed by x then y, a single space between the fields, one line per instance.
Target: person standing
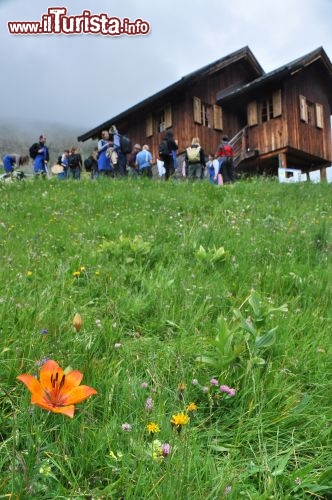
pixel 196 159
pixel 225 155
pixel 74 164
pixel 91 164
pixel 133 169
pixel 104 162
pixel 39 153
pixel 167 149
pixel 144 161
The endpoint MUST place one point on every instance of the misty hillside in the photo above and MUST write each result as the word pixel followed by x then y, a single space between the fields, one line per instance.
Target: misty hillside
pixel 17 137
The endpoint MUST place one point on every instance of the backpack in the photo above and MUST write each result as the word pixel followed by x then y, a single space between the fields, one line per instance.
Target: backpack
pixel 163 149
pixel 59 162
pixel 226 149
pixel 125 144
pixel 193 154
pixel 33 150
pixel 88 164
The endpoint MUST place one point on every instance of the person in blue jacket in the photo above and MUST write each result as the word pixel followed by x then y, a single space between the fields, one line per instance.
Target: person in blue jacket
pixel 104 161
pixel 41 156
pixel 13 160
pixel 144 161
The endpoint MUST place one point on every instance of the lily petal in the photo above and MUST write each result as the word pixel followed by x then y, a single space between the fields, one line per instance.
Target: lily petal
pixel 78 394
pixel 42 403
pixel 32 383
pixel 47 370
pixel 72 379
pixel 65 410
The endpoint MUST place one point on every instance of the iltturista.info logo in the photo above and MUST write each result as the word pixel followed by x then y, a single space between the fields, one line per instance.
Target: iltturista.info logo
pixel 57 22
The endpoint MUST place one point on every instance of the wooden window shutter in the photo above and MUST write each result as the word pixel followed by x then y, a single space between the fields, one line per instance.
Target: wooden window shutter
pixel 276 99
pixel 197 110
pixel 303 109
pixel 217 117
pixel 168 116
pixel 149 126
pixel 319 115
pixel 252 113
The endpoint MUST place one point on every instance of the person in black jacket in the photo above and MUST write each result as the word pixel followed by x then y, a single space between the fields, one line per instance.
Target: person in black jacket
pixel 168 157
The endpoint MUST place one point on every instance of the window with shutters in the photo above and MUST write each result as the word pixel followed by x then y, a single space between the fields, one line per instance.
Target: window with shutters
pixel 311 113
pixel 161 126
pixel 264 109
pixel 149 125
pixel 207 115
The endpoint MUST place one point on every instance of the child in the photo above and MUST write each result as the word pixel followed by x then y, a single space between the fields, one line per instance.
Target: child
pixel 213 168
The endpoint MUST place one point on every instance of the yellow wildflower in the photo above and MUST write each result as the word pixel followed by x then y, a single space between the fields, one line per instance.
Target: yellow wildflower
pixel 152 428
pixel 179 420
pixel 192 407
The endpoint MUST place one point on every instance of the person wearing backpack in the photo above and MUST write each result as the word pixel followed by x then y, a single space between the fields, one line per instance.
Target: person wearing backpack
pixel 91 164
pixel 40 155
pixel 196 159
pixel 225 155
pixel 167 151
pixel 122 146
pixel 74 164
pixel 104 161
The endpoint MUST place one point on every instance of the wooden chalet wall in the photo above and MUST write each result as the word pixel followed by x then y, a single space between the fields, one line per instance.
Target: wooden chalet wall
pixel 299 121
pixel 309 130
pixel 142 126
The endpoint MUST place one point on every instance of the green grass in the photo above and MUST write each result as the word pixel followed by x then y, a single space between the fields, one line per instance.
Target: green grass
pixel 174 282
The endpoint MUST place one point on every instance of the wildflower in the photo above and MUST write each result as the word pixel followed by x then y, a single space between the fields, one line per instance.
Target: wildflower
pixel 214 381
pixel 77 322
pixel 41 361
pixel 194 381
pixel 126 427
pixel 97 273
pixel 56 390
pixel 182 387
pixel 192 407
pixel 45 470
pixel 76 274
pixel 298 480
pixel 144 385
pixel 44 331
pixel 117 345
pixel 98 323
pixel 227 390
pixel 152 428
pixel 227 490
pixel 29 273
pixel 224 388
pixel 82 269
pixel 149 404
pixel 205 389
pixel 166 449
pixel 179 420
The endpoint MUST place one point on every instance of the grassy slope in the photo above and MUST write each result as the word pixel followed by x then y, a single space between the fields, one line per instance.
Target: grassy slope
pixel 148 286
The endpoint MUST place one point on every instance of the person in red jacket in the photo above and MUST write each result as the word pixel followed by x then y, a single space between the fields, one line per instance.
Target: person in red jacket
pixel 225 155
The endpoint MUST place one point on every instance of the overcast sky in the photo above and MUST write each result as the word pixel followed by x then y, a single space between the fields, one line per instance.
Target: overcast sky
pixel 83 80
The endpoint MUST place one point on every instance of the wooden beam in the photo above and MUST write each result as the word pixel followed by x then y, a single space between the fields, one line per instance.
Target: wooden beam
pixel 282 159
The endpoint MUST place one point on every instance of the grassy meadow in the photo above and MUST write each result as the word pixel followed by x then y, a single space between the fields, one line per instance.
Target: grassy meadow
pixel 208 307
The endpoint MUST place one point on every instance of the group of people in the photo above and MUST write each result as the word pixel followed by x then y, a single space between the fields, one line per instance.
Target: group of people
pixel 115 157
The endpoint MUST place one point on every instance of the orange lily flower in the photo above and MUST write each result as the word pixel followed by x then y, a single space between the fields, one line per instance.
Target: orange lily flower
pixel 56 390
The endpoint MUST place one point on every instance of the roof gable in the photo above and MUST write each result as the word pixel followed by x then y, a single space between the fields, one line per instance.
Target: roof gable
pixel 280 73
pixel 241 54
